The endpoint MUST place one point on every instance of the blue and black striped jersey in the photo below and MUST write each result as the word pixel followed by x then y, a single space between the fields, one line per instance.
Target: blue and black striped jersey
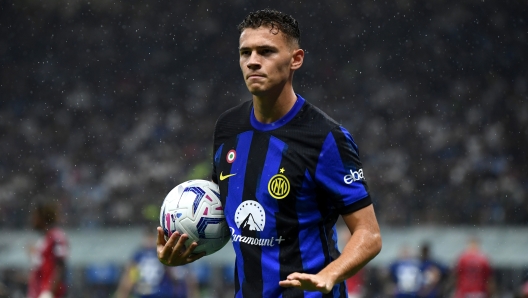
pixel 283 186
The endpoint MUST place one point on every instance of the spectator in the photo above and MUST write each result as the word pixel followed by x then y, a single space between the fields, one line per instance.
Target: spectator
pixel 103 109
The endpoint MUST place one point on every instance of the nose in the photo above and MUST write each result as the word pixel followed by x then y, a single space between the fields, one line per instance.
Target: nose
pixel 253 61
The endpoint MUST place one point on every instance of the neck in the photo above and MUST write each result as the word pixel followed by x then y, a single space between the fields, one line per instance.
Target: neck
pixel 271 107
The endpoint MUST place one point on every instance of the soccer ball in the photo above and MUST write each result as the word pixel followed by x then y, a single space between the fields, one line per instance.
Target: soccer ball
pixel 194 208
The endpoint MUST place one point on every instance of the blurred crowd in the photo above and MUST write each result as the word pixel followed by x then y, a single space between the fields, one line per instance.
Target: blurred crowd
pixel 105 106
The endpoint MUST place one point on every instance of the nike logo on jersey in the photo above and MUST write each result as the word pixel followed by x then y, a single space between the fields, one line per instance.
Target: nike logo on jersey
pixel 222 177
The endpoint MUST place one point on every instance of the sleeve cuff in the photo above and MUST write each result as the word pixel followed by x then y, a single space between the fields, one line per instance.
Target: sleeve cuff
pixel 366 201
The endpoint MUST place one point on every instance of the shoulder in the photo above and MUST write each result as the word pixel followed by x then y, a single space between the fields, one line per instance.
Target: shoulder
pixel 317 117
pixel 310 125
pixel 236 114
pixel 325 126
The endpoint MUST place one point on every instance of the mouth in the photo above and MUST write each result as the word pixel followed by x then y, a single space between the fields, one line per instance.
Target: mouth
pixel 254 75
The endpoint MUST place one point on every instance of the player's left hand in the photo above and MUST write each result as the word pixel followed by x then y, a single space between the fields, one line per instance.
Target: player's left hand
pixel 307 282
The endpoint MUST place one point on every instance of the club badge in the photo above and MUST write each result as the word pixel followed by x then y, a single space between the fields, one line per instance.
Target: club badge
pixel 279 186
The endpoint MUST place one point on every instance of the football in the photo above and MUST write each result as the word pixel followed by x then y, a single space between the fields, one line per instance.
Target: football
pixel 194 208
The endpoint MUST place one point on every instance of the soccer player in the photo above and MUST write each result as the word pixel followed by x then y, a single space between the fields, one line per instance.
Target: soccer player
pixel 48 257
pixel 473 273
pixel 146 277
pixel 286 171
pixel 405 275
pixel 434 274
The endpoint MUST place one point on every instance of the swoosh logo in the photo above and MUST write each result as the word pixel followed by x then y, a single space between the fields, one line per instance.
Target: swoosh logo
pixel 222 177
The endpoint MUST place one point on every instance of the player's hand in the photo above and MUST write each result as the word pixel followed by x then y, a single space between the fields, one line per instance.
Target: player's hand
pixel 46 294
pixel 173 252
pixel 307 282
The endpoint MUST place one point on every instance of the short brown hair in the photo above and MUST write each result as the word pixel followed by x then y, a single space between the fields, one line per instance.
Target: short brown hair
pixel 278 21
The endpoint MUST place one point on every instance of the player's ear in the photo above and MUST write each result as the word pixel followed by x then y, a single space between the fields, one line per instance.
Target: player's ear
pixel 297 59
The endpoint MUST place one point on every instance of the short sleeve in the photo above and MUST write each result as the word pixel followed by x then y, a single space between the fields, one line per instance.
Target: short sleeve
pixel 340 174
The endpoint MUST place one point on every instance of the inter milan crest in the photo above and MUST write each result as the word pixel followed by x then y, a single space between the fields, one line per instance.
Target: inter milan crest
pixel 231 156
pixel 279 186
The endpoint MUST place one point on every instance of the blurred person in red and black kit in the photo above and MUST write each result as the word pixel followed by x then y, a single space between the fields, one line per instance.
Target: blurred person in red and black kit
pixel 473 273
pixel 48 256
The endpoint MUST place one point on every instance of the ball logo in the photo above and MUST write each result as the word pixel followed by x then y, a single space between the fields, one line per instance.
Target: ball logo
pixel 354 176
pixel 279 186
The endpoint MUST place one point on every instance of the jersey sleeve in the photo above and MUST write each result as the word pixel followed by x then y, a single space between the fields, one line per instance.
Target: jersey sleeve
pixel 216 161
pixel 340 174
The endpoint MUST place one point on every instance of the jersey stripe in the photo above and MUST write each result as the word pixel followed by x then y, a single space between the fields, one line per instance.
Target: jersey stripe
pixel 216 165
pixel 253 285
pixel 234 194
pixel 307 209
pixel 288 223
pixel 270 271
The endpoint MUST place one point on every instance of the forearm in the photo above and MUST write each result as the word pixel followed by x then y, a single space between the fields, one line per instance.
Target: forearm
pixel 125 283
pixel 363 246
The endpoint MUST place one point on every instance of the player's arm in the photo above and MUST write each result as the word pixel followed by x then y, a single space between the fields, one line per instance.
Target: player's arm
pixel 173 252
pixel 363 245
pixel 126 283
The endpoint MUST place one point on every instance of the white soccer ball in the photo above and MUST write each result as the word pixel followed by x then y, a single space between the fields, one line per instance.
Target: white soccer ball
pixel 194 208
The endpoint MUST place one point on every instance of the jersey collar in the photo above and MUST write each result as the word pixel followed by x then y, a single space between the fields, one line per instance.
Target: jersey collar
pixel 285 119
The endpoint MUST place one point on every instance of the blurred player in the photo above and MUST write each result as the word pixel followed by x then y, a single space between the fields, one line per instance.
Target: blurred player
pixel 286 172
pixel 146 277
pixel 355 284
pixel 523 291
pixel 473 273
pixel 433 272
pixel 49 255
pixel 405 274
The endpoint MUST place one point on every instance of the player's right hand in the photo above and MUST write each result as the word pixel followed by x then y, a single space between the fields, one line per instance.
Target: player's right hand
pixel 173 252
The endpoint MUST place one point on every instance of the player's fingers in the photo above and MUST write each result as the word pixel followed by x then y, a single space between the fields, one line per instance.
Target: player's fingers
pixel 298 276
pixel 195 257
pixel 165 251
pixel 161 237
pixel 173 241
pixel 189 255
pixel 289 283
pixel 179 252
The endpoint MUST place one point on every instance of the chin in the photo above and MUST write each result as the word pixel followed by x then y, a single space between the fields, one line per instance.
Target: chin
pixel 256 90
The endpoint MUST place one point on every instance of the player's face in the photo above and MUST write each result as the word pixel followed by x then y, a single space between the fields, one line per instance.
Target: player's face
pixel 267 60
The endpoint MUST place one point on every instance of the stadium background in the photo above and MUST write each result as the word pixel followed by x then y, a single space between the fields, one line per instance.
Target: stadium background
pixel 105 106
